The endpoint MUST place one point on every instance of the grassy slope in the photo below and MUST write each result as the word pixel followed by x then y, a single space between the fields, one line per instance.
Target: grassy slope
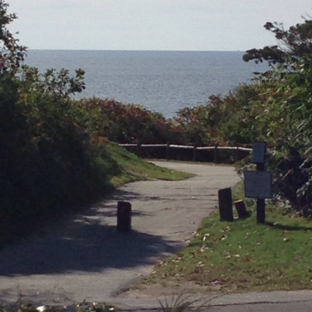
pixel 244 256
pixel 133 168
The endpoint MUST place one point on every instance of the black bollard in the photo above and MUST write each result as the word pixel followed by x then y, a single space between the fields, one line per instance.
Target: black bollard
pixel 225 204
pixel 241 209
pixel 123 216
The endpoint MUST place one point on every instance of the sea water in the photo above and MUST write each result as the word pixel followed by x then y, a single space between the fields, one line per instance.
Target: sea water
pixel 161 81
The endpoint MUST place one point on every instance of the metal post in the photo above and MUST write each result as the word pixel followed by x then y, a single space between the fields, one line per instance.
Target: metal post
pixel 260 202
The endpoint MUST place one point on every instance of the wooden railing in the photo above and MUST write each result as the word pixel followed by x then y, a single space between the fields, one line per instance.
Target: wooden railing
pixel 136 148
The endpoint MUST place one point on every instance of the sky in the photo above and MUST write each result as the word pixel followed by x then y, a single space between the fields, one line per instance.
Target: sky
pixel 180 25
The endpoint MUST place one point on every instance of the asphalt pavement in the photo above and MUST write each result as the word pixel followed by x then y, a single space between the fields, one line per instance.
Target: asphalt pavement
pixel 84 257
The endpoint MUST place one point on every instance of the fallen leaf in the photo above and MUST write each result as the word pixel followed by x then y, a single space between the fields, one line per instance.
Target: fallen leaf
pixel 224 237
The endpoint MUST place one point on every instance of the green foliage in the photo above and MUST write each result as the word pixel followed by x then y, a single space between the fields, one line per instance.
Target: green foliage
pixel 286 123
pixel 292 44
pixel 47 162
pixel 11 53
pixel 239 124
pixel 194 125
pixel 225 120
pixel 127 123
pixel 56 85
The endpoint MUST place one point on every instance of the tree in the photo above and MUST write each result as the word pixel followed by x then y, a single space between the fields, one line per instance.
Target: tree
pixel 45 156
pixel 285 110
pixel 11 53
pixel 292 44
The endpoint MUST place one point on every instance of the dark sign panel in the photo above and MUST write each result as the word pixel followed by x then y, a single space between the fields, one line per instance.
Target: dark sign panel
pixel 258 184
pixel 258 152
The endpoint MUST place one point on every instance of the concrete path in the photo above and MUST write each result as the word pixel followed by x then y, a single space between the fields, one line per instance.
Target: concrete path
pixel 84 257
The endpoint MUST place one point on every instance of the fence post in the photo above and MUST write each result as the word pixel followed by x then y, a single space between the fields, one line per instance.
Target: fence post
pixel 194 152
pixel 137 151
pixel 237 153
pixel 216 154
pixel 167 151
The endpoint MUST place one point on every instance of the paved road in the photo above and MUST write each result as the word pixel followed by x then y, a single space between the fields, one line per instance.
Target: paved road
pixel 84 257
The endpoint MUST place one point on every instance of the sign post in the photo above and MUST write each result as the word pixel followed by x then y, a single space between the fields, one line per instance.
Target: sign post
pixel 258 184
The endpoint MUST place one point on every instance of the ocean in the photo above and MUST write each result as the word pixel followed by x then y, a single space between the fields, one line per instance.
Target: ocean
pixel 161 81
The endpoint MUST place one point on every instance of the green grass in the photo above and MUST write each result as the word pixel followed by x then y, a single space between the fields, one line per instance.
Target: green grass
pixel 133 168
pixel 244 256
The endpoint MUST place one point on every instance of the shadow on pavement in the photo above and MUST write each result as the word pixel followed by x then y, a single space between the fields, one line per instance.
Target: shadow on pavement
pixel 128 196
pixel 85 243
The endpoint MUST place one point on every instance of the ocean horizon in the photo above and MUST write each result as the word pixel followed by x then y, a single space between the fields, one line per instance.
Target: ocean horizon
pixel 160 81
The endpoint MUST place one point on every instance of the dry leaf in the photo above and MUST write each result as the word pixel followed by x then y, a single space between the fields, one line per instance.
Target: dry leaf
pixel 223 237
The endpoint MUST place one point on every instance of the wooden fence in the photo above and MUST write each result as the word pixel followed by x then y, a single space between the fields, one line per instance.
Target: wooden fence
pixel 235 153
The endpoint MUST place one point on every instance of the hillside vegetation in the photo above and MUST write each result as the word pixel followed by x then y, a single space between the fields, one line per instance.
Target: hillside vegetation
pixel 53 159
